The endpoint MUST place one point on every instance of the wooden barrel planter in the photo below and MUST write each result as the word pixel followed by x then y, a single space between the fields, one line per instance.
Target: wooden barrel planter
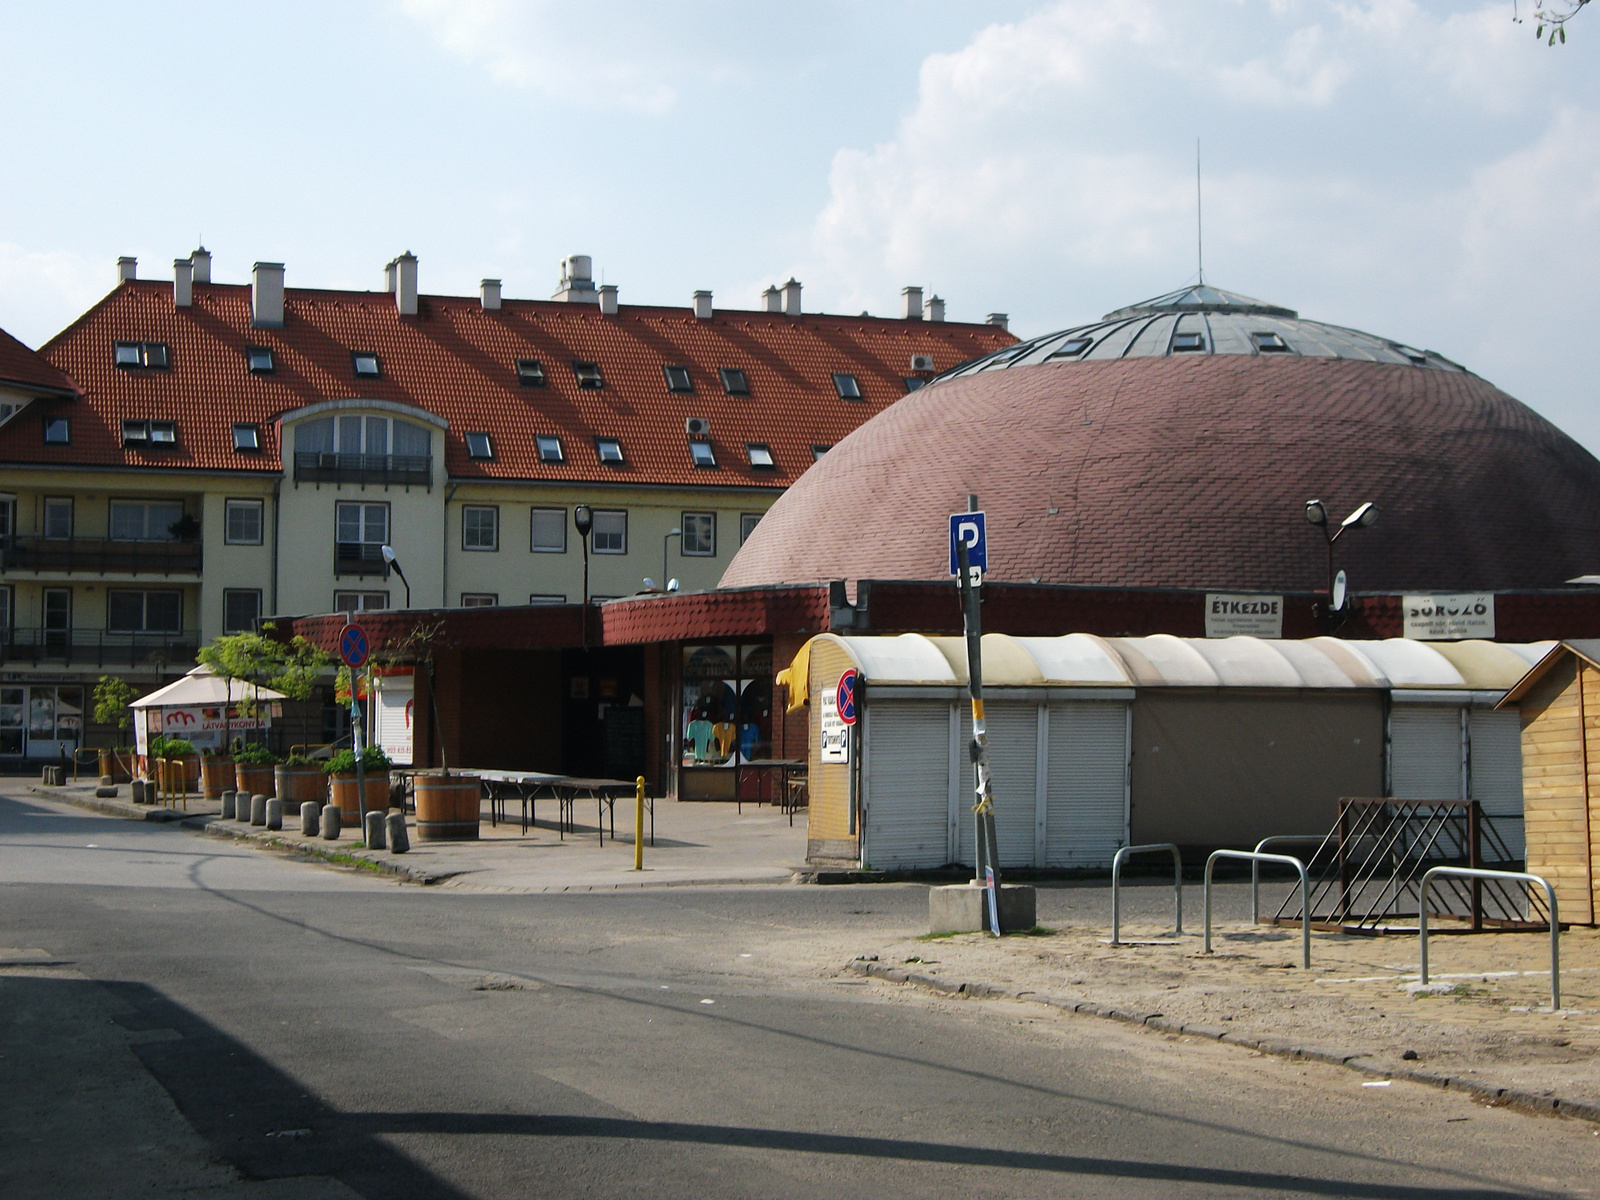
pixel 216 777
pixel 254 779
pixel 115 764
pixel 296 785
pixel 447 807
pixel 190 781
pixel 342 791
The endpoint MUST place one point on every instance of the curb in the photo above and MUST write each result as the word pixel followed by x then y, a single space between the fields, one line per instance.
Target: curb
pixel 1365 1064
pixel 109 808
pixel 347 858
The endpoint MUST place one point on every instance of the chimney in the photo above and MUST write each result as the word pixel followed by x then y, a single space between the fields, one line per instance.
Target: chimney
pixel 489 293
pixel 702 306
pixel 608 298
pixel 577 280
pixel 182 283
pixel 791 297
pixel 266 295
pixel 935 308
pixel 201 259
pixel 405 284
pixel 911 303
pixel 127 268
pixel 998 320
pixel 772 300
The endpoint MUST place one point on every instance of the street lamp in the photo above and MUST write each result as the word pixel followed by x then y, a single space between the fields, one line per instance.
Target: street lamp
pixel 671 533
pixel 583 522
pixel 394 565
pixel 1317 514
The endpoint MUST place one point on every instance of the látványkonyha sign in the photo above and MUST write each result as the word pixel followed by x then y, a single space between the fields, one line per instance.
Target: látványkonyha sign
pixel 1449 616
pixel 1251 616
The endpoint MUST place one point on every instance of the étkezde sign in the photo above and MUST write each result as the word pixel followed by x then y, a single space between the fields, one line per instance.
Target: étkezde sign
pixel 1250 616
pixel 1445 617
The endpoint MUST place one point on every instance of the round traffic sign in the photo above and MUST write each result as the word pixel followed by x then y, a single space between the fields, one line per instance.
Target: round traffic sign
pixel 846 696
pixel 353 646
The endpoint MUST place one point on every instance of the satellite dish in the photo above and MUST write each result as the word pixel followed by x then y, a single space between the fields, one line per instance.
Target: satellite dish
pixel 1340 587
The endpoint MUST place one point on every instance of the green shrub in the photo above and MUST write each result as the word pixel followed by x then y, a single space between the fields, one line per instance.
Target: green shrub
pixel 255 756
pixel 162 746
pixel 344 763
pixel 300 760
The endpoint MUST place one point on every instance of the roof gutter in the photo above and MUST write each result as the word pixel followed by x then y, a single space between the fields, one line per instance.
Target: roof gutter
pixel 277 488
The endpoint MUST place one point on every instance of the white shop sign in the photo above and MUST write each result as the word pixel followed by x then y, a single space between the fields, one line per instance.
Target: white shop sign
pixel 835 746
pixel 396 709
pixel 1451 616
pixel 1249 616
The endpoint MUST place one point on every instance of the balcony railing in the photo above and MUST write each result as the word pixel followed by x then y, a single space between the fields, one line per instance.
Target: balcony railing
pixel 99 555
pixel 359 558
pixel 319 466
pixel 102 647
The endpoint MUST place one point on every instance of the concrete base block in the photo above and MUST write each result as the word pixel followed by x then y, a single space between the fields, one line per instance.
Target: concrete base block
pixel 375 830
pixel 258 812
pixel 228 797
pixel 964 908
pixel 310 817
pixel 332 822
pixel 399 840
pixel 274 813
pixel 107 788
pixel 136 791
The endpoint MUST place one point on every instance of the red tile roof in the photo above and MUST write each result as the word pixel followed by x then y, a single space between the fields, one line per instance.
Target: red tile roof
pixel 19 365
pixel 458 361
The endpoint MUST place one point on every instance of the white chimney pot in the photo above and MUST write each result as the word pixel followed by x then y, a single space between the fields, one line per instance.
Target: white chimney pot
pixel 182 283
pixel 489 293
pixel 772 300
pixel 201 258
pixel 935 308
pixel 999 321
pixel 266 295
pixel 911 303
pixel 608 298
pixel 405 284
pixel 702 305
pixel 577 280
pixel 127 268
pixel 791 298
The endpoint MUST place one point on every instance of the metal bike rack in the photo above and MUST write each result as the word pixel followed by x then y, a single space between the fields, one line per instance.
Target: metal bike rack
pixel 1305 892
pixel 1116 878
pixel 1255 867
pixel 1520 876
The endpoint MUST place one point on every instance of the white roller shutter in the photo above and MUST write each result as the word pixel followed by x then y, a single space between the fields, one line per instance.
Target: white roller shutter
pixel 1425 752
pixel 1497 773
pixel 1013 731
pixel 1086 801
pixel 907 769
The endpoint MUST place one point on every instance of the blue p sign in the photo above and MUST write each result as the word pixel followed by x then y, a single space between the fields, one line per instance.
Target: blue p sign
pixel 968 527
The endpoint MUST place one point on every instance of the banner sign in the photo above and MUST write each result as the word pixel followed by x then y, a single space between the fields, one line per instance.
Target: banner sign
pixel 1249 616
pixel 835 744
pixel 395 715
pixel 1449 616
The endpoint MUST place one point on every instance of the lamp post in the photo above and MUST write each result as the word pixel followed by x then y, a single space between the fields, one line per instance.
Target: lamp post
pixel 583 522
pixel 671 533
pixel 394 565
pixel 1317 514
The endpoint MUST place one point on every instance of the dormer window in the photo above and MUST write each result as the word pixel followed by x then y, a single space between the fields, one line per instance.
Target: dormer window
pixel 163 433
pixel 550 450
pixel 149 434
pixel 246 439
pixel 848 387
pixel 365 364
pixel 1269 343
pixel 135 433
pixel 609 450
pixel 701 455
pixel 760 455
pixel 734 381
pixel 678 379
pixel 259 360
pixel 818 451
pixel 135 356
pixel 588 375
pixel 57 431
pixel 479 445
pixel 913 382
pixel 530 373
pixel 1188 341
pixel 1071 348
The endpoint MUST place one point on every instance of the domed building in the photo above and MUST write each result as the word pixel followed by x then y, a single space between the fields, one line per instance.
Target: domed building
pixel 1175 444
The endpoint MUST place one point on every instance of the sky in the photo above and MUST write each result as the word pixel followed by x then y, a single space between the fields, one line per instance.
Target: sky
pixel 1429 172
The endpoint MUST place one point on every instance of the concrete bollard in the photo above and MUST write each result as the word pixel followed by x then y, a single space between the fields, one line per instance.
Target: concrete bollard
pixel 228 798
pixel 310 814
pixel 332 819
pixel 258 809
pixel 399 840
pixel 375 839
pixel 136 791
pixel 274 813
pixel 107 788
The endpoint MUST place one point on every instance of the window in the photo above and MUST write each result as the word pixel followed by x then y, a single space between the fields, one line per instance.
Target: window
pixel 361 531
pixel 479 599
pixel 163 433
pixel 135 433
pixel 550 449
pixel 760 455
pixel 125 354
pixel 258 359
pixel 241 610
pixel 678 379
pixel 1188 341
pixel 818 451
pixel 57 617
pixel 246 439
pixel 547 598
pixel 588 375
pixel 57 431
pixel 129 611
pixel 8 516
pixel 480 527
pixel 701 455
pixel 610 533
pixel 913 382
pixel 362 435
pixel 135 356
pixel 1071 348
pixel 5 609
pixel 365 364
pixel 747 526
pixel 1269 343
pixel 847 386
pixel 479 446
pixel 57 517
pixel 145 520
pixel 530 373
pixel 549 531
pixel 734 381
pixel 609 450
pixel 699 534
pixel 354 602
pixel 241 522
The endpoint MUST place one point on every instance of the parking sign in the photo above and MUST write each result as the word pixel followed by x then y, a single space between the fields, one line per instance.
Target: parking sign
pixel 968 527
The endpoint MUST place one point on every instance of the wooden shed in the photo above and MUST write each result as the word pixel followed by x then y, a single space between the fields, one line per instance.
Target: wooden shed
pixel 1559 704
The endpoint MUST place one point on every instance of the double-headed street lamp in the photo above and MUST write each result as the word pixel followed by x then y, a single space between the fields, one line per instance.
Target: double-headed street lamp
pixel 394 565
pixel 671 533
pixel 583 522
pixel 1317 514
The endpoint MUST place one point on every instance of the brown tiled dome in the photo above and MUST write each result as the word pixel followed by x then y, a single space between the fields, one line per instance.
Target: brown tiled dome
pixel 1193 470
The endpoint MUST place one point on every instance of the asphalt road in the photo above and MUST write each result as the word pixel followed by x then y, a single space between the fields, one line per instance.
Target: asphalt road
pixel 409 1042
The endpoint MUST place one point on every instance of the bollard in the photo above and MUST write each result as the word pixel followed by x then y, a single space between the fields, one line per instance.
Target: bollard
pixel 638 824
pixel 258 808
pixel 228 798
pixel 274 813
pixel 332 819
pixel 136 791
pixel 375 821
pixel 310 812
pixel 107 788
pixel 399 840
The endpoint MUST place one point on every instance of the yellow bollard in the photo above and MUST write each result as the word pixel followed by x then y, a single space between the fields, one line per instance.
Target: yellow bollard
pixel 638 824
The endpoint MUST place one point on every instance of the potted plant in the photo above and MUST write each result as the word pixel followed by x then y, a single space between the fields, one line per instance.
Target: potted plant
pixel 252 769
pixel 341 773
pixel 112 697
pixel 185 771
pixel 216 773
pixel 299 779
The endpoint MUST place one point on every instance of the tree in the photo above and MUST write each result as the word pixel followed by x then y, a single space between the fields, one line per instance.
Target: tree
pixel 1554 18
pixel 259 660
pixel 111 699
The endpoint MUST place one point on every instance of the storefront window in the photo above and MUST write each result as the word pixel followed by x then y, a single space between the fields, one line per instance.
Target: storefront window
pixel 727 704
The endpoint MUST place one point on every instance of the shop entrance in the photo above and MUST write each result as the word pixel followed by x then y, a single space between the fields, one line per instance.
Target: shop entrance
pixel 725 716
pixel 40 720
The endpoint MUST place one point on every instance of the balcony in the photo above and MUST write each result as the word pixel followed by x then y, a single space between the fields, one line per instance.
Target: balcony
pixel 326 466
pixel 358 558
pixel 101 556
pixel 101 647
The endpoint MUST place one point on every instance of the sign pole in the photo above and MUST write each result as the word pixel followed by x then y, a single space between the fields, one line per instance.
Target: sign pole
pixel 355 650
pixel 986 851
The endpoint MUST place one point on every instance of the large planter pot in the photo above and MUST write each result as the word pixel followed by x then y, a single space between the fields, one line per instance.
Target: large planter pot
pixel 296 785
pixel 115 765
pixel 447 807
pixel 342 791
pixel 254 779
pixel 216 777
pixel 191 772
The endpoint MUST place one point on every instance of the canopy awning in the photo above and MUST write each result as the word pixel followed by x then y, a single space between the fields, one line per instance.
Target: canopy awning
pixel 201 686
